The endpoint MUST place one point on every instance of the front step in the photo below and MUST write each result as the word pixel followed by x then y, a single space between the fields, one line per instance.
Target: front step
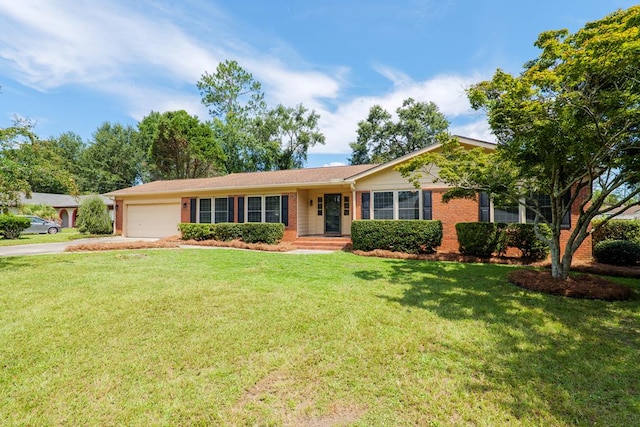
pixel 322 243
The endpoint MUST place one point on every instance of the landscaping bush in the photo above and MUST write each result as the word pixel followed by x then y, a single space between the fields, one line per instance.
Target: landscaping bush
pixel 269 233
pixel 11 225
pixel 93 217
pixel 523 237
pixel 41 210
pixel 477 238
pixel 410 236
pixel 616 229
pixel 617 252
pixel 197 232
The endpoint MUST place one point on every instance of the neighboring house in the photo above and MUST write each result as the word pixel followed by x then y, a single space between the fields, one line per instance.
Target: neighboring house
pixel 65 205
pixel 623 212
pixel 309 202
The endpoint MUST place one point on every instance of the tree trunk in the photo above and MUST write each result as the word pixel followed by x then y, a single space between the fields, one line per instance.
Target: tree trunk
pixel 559 266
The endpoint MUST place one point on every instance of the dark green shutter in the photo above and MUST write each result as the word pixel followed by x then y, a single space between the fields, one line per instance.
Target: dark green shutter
pixel 193 210
pixel 284 210
pixel 566 220
pixel 485 207
pixel 427 211
pixel 230 201
pixel 241 209
pixel 366 203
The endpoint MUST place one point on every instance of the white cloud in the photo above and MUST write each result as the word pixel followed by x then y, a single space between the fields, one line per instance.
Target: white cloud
pixel 447 91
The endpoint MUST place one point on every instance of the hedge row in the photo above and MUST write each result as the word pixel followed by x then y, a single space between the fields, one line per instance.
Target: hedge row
pixel 617 252
pixel 486 238
pixel 269 233
pixel 410 236
pixel 616 229
pixel 11 225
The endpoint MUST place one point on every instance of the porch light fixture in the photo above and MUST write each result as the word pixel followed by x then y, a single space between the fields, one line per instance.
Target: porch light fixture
pixel 184 205
pixel 311 202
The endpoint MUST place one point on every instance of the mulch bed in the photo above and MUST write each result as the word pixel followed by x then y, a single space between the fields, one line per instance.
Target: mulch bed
pixel 174 242
pixel 578 286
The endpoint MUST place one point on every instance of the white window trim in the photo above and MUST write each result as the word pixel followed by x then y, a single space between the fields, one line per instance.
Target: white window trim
pixel 396 204
pixel 263 212
pixel 522 213
pixel 213 208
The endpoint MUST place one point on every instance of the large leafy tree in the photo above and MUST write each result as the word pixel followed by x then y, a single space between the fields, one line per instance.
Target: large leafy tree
pixel 235 100
pixel 181 146
pixel 293 131
pixel 12 173
pixel 567 127
pixel 381 138
pixel 112 160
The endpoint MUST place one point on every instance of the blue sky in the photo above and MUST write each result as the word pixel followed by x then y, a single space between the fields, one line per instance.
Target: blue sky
pixel 71 65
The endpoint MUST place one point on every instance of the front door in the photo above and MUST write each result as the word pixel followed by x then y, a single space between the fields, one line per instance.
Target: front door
pixel 332 205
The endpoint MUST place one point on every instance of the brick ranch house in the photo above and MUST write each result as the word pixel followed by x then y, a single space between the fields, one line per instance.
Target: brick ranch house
pixel 314 202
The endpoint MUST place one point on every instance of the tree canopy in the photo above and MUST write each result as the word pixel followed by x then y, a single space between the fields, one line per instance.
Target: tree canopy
pixel 381 138
pixel 566 126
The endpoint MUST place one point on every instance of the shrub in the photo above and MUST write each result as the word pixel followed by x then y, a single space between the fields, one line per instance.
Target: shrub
pixel 616 229
pixel 43 211
pixel 197 232
pixel 410 236
pixel 523 237
pixel 11 225
pixel 477 238
pixel 617 252
pixel 269 233
pixel 93 217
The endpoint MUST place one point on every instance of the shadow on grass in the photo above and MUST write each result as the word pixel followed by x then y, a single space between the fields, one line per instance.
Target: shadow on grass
pixel 575 359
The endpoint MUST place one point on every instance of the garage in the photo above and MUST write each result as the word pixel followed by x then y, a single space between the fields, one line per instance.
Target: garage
pixel 157 220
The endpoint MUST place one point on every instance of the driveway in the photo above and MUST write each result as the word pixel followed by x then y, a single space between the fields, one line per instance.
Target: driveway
pixel 55 248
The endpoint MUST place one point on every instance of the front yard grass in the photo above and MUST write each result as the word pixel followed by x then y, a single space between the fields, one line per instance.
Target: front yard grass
pixel 226 337
pixel 65 235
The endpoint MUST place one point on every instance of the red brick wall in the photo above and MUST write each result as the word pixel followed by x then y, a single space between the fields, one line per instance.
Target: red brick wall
pixel 185 209
pixel 584 252
pixel 119 215
pixel 358 205
pixel 458 210
pixel 291 230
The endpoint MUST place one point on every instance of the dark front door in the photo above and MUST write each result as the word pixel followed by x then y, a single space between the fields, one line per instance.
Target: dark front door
pixel 332 205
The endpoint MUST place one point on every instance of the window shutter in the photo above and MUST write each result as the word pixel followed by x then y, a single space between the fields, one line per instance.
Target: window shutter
pixel 366 204
pixel 193 210
pixel 240 209
pixel 230 201
pixel 566 220
pixel 485 207
pixel 284 210
pixel 427 211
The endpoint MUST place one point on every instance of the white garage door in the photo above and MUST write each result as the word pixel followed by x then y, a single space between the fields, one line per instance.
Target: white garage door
pixel 153 220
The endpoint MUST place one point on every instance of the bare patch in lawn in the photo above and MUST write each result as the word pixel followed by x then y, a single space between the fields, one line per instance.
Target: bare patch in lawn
pixel 579 286
pixel 291 403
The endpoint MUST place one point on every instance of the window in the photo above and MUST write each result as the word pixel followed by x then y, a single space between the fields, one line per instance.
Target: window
pixel 383 205
pixel 408 205
pixel 221 209
pixel 320 207
pixel 506 214
pixel 205 211
pixel 544 206
pixel 254 209
pixel 346 206
pixel 272 209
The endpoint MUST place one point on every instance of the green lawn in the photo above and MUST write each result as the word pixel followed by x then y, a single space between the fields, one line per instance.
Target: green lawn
pixel 65 235
pixel 226 337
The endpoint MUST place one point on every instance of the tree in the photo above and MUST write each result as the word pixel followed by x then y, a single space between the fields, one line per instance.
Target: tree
pixel 381 139
pixel 566 126
pixel 112 161
pixel 235 100
pixel 93 217
pixel 12 173
pixel 293 130
pixel 182 147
